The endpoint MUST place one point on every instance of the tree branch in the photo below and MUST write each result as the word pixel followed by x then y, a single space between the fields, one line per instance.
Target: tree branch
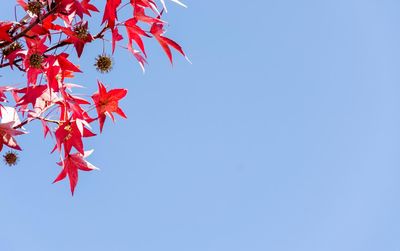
pixel 27 29
pixel 99 35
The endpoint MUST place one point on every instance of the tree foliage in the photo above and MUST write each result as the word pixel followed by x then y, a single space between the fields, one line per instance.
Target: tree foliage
pixel 41 44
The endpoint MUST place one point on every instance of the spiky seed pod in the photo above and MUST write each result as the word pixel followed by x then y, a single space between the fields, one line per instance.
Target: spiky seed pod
pixel 11 48
pixel 81 32
pixel 103 63
pixel 11 158
pixel 36 60
pixel 35 7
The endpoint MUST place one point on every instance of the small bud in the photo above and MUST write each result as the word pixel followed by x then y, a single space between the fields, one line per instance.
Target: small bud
pixel 10 158
pixel 103 63
pixel 36 60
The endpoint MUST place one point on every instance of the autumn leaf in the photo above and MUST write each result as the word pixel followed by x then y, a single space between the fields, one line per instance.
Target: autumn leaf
pixel 9 120
pixel 110 12
pixel 157 29
pixel 70 166
pixel 107 103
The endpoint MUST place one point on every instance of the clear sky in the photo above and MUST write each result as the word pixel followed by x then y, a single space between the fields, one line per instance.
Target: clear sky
pixel 283 135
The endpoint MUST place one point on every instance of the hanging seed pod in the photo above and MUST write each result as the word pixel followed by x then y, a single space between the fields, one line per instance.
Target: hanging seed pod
pixel 11 158
pixel 103 63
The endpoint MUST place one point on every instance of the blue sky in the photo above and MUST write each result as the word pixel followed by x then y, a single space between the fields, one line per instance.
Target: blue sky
pixel 283 135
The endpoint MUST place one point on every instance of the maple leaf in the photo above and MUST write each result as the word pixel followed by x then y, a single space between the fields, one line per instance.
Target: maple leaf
pixel 31 94
pixel 73 104
pixel 110 12
pixel 57 68
pixel 145 3
pixel 69 134
pixel 4 28
pixel 115 38
pixel 107 103
pixel 71 164
pixel 7 132
pixel 78 36
pixel 141 60
pixel 87 7
pixel 140 15
pixel 43 102
pixel 33 58
pixel 52 70
pixel 157 29
pixel 134 32
pixel 65 64
pixel 46 128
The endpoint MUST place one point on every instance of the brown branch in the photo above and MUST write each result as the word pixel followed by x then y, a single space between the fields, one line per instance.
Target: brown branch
pixel 22 124
pixel 19 67
pixel 21 23
pixel 99 35
pixel 25 122
pixel 27 29
pixel 8 64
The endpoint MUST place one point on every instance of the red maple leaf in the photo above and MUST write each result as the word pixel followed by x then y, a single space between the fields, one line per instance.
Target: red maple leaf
pixel 34 58
pixel 157 29
pixel 110 12
pixel 69 134
pixel 87 7
pixel 32 93
pixel 57 68
pixel 116 36
pixel 4 28
pixel 7 132
pixel 134 32
pixel 71 164
pixel 78 35
pixel 73 104
pixel 140 15
pixel 107 103
pixel 139 57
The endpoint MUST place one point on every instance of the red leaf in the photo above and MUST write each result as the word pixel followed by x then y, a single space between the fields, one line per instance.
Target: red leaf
pixel 157 29
pixel 115 38
pixel 7 131
pixel 4 28
pixel 107 103
pixel 141 60
pixel 110 12
pixel 69 135
pixel 134 32
pixel 71 164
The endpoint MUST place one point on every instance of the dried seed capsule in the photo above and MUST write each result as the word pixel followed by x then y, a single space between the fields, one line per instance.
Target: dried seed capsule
pixel 36 60
pixel 11 158
pixel 81 32
pixel 35 7
pixel 103 63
